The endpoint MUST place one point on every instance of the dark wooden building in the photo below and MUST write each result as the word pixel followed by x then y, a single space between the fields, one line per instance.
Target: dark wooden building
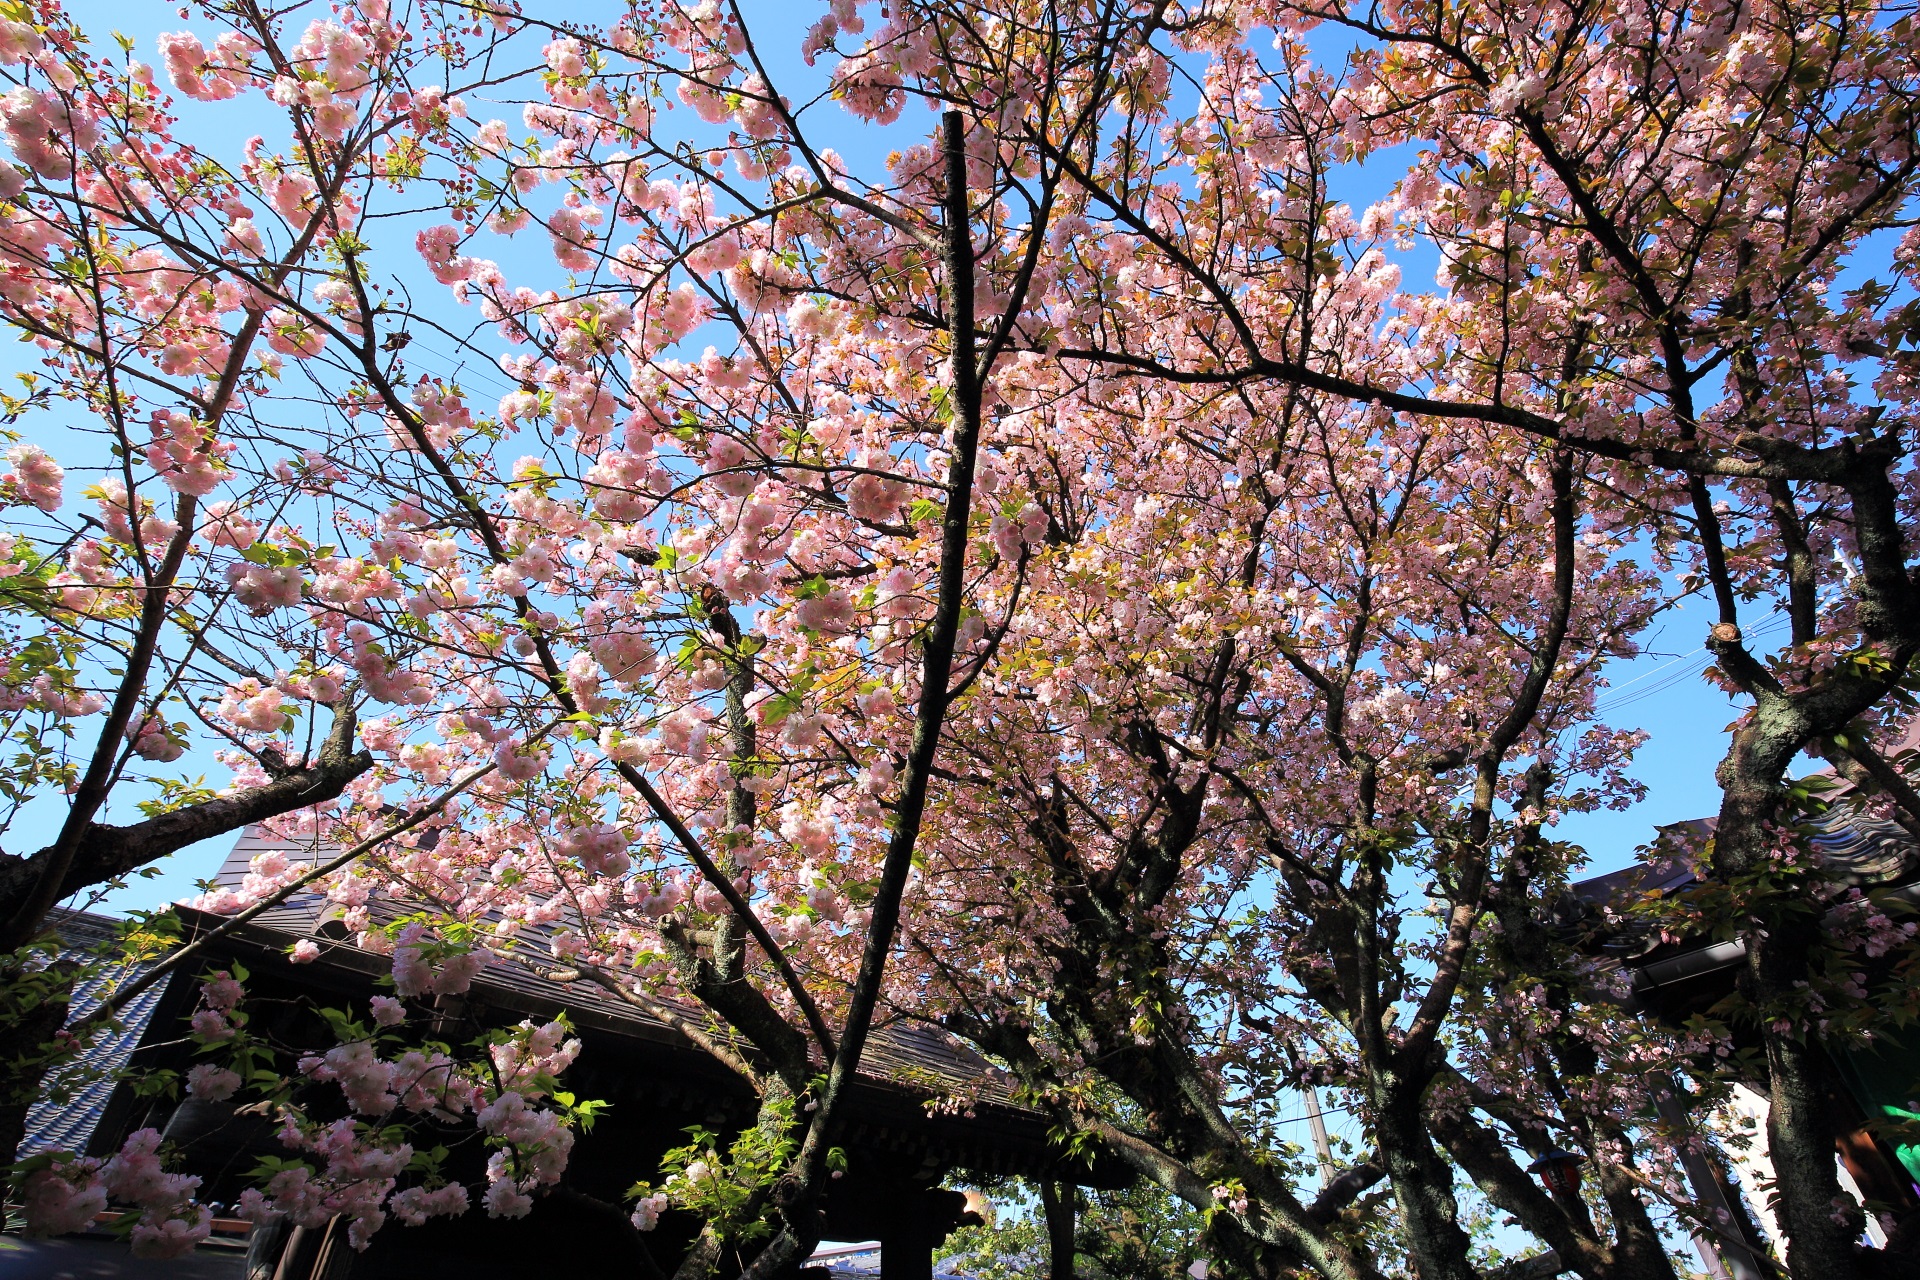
pixel 924 1109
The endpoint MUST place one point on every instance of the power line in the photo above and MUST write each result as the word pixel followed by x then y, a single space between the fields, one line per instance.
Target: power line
pixel 1618 697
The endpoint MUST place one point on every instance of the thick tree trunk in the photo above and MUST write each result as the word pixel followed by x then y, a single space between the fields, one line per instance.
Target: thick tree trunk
pixel 1779 937
pixel 1800 1137
pixel 1438 1248
pixel 1638 1252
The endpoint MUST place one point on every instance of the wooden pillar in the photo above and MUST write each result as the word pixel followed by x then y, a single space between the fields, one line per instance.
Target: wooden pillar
pixel 305 1253
pixel 906 1243
pixel 264 1245
pixel 1059 1199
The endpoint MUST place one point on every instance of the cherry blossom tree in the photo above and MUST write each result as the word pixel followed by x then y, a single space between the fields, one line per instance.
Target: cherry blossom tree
pixel 1056 581
pixel 121 611
pixel 1252 838
pixel 679 633
pixel 1673 241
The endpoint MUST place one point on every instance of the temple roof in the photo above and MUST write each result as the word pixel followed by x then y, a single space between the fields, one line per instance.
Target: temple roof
pixel 1861 848
pixel 68 1123
pixel 902 1052
pixel 921 1097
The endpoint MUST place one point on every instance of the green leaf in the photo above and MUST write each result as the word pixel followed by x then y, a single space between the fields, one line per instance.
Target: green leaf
pixel 780 706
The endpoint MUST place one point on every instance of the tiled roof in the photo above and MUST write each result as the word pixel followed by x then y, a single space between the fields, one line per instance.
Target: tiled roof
pixel 66 1126
pixel 1863 849
pixel 1860 848
pixel 901 1053
pixel 921 1091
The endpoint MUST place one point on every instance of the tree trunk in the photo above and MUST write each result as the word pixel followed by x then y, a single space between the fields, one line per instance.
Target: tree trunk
pixel 1800 1141
pixel 1422 1186
pixel 1779 937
